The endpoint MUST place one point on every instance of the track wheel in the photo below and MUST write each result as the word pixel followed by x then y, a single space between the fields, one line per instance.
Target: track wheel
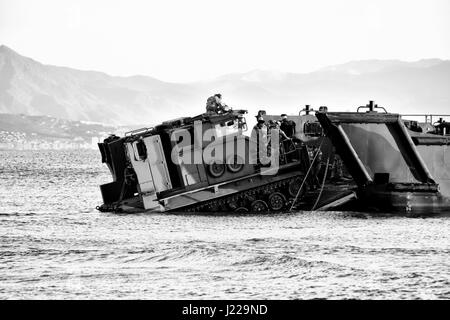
pixel 259 206
pixel 295 185
pixel 241 209
pixel 235 164
pixel 216 169
pixel 276 201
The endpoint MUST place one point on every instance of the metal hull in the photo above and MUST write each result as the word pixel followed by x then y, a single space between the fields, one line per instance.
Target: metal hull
pixel 396 170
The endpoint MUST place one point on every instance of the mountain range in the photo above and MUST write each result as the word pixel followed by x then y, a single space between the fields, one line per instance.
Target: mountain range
pixel 31 88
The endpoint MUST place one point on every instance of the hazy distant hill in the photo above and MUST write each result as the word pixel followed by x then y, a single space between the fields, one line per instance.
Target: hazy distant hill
pixel 415 87
pixel 31 88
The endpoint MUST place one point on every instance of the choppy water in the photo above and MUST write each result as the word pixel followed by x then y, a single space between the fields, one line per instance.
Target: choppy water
pixel 54 244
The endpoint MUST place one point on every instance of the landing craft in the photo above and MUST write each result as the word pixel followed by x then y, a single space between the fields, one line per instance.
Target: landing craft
pixel 400 166
pixel 397 165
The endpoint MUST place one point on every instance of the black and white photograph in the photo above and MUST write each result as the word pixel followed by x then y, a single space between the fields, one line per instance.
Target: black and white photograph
pixel 241 151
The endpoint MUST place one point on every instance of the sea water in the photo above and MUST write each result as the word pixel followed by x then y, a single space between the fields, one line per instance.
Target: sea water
pixel 55 245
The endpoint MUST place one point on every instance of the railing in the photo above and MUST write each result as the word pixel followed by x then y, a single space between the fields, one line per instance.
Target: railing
pixel 427 116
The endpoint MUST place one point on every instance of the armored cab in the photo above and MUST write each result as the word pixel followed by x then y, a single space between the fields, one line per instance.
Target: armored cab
pixel 204 163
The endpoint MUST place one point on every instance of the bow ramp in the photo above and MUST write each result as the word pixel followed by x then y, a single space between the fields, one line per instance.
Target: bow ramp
pixel 396 167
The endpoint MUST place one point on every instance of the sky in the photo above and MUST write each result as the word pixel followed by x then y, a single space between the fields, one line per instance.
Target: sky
pixel 182 41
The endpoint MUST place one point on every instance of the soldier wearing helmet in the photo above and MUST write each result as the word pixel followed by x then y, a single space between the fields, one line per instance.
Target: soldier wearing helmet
pixel 214 104
pixel 259 135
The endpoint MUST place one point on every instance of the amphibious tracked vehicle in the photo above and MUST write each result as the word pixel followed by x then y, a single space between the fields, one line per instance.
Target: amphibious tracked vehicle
pixel 204 164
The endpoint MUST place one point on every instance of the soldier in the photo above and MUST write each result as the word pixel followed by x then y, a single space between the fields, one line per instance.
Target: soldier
pixel 259 135
pixel 260 125
pixel 274 129
pixel 277 126
pixel 287 126
pixel 214 104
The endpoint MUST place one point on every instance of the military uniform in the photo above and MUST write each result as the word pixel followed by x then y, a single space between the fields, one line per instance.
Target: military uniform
pixel 288 127
pixel 211 104
pixel 259 135
pixel 214 105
